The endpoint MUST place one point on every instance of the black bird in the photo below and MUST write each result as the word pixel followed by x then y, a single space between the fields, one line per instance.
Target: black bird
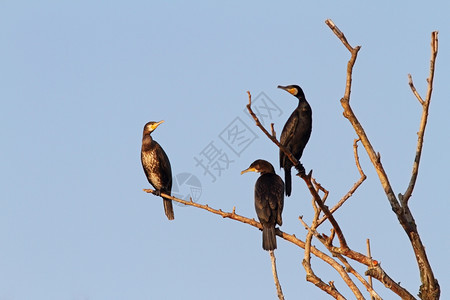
pixel 295 134
pixel 156 166
pixel 269 200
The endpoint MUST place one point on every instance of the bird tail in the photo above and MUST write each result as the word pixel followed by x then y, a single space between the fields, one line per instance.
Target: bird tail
pixel 288 181
pixel 269 238
pixel 168 209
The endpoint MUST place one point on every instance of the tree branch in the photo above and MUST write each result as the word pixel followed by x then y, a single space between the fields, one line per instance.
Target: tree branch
pixel 430 288
pixel 330 289
pixel 355 186
pixel 424 118
pixel 378 272
pixel 349 114
pixel 310 275
pixel 275 275
pixel 413 89
pixel 370 256
pixel 306 178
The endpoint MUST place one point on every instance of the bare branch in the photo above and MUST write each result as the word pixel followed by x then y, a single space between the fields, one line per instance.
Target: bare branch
pixel 312 277
pixel 378 272
pixel 370 256
pixel 355 186
pixel 274 134
pixel 339 34
pixel 234 216
pixel 288 237
pixel 413 89
pixel 424 118
pixel 349 114
pixel 366 284
pixel 380 275
pixel 430 288
pixel 275 275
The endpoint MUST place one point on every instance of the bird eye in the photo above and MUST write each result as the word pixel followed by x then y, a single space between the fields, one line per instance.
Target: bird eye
pixel 293 91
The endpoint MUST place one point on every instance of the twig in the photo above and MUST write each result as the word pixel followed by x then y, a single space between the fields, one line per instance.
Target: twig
pixel 355 186
pixel 370 256
pixel 275 275
pixel 413 89
pixel 274 134
pixel 319 187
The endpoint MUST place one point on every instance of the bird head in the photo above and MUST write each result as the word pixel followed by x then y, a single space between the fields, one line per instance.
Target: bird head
pixel 150 126
pixel 294 90
pixel 261 166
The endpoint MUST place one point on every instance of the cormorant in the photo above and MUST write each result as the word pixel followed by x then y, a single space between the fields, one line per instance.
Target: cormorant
pixel 295 134
pixel 156 166
pixel 269 200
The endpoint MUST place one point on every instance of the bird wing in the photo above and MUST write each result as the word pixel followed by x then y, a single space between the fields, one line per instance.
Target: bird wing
pixel 165 169
pixel 269 198
pixel 288 133
pixel 279 190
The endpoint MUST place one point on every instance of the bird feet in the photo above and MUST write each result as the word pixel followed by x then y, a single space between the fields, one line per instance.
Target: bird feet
pixel 300 169
pixel 157 193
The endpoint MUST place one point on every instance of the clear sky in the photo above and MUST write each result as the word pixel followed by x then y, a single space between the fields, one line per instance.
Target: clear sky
pixel 79 79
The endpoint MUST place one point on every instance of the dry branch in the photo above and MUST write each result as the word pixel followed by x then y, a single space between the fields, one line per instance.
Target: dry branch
pixel 424 118
pixel 310 275
pixel 430 288
pixel 275 275
pixel 329 288
pixel 354 187
pixel 344 249
pixel 288 237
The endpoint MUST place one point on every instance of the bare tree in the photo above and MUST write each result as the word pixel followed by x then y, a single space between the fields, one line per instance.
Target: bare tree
pixel 340 256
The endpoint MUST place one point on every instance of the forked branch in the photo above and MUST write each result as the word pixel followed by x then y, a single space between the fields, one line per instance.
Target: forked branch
pixel 423 122
pixel 430 288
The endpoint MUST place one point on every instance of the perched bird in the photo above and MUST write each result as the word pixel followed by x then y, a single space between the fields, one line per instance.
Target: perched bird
pixel 295 134
pixel 269 200
pixel 157 166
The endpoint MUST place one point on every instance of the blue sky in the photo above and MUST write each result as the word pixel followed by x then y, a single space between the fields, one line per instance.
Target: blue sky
pixel 80 79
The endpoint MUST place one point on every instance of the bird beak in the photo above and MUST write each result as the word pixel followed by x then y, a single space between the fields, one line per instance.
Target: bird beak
pixel 249 170
pixel 157 124
pixel 292 91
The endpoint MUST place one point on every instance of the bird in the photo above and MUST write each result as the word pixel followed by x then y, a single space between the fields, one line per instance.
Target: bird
pixel 295 134
pixel 269 200
pixel 157 167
